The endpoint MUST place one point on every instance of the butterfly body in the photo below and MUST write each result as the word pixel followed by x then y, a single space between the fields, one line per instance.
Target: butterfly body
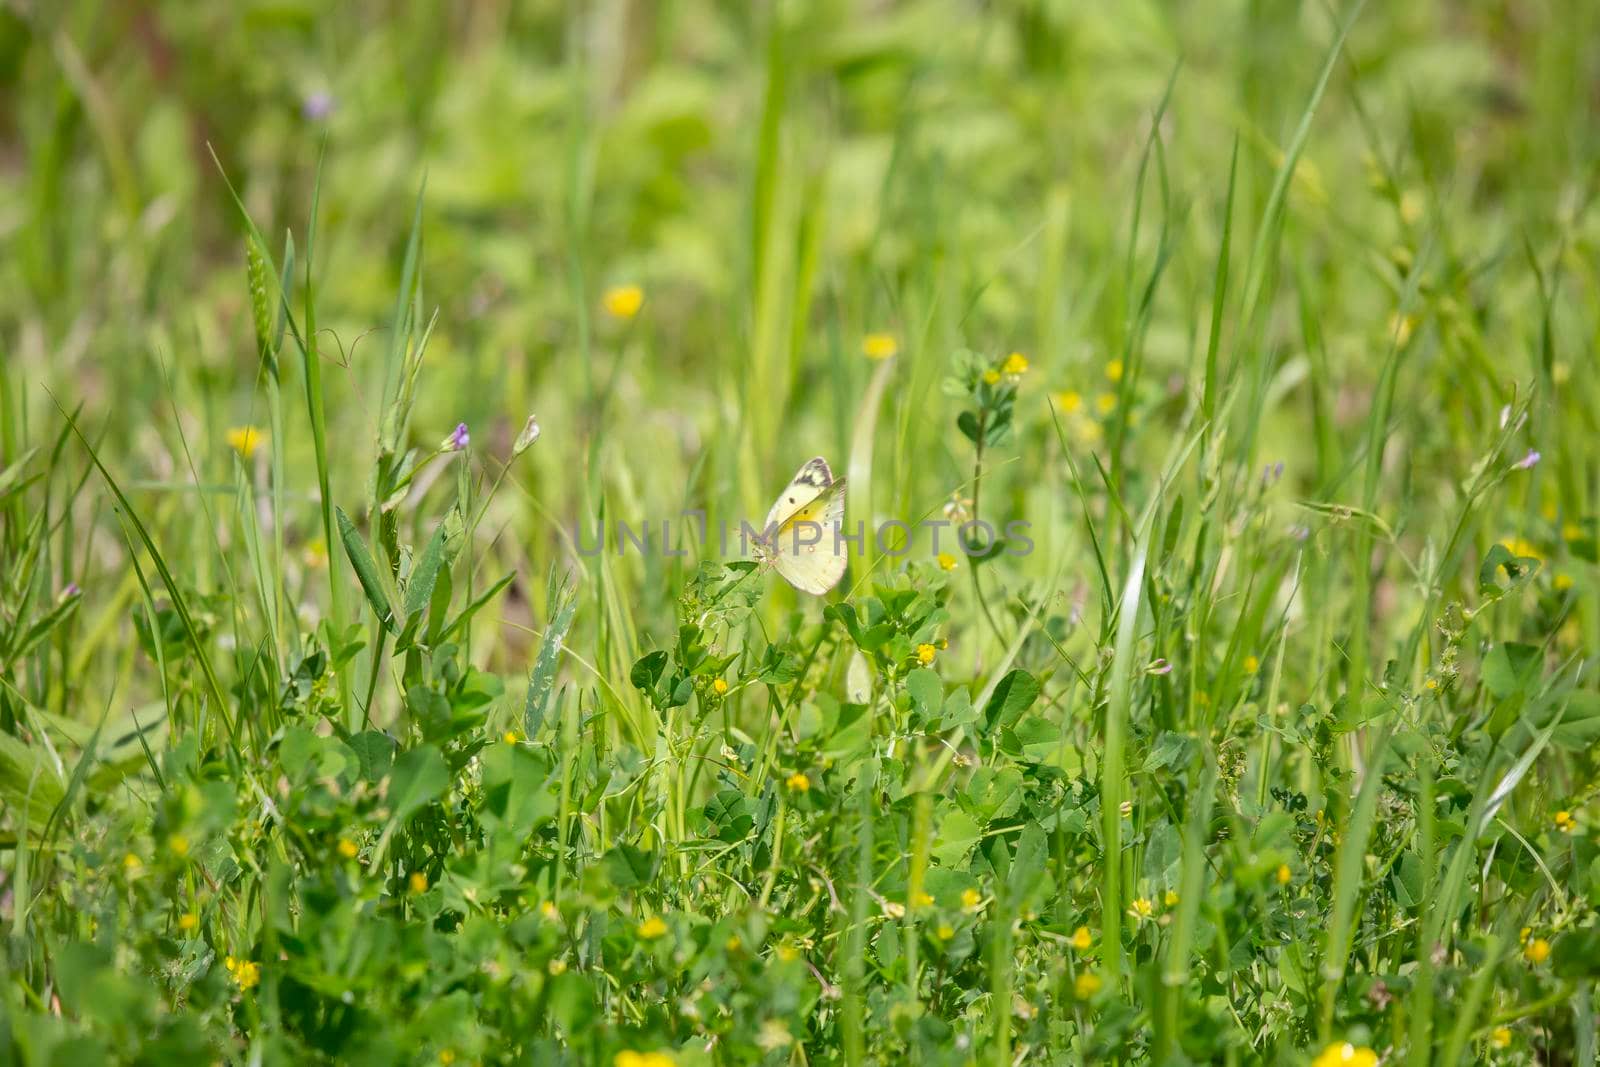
pixel 801 537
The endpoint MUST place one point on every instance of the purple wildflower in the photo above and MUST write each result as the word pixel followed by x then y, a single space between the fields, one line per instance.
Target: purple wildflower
pixel 458 440
pixel 1160 666
pixel 317 105
pixel 1526 462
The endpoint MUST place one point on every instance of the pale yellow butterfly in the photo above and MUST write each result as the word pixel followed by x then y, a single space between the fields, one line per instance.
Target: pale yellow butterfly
pixel 801 538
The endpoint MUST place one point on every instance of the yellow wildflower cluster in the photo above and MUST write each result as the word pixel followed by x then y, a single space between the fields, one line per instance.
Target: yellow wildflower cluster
pixel 653 928
pixel 1085 426
pixel 246 973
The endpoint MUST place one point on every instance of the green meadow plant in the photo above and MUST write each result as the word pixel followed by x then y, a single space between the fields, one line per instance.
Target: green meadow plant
pixel 1246 713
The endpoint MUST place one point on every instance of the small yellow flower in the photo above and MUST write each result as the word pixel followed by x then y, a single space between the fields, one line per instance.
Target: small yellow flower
pixel 1284 874
pixel 1086 985
pixel 1015 366
pixel 447 1056
pixel 991 376
pixel 1171 899
pixel 787 952
pixel 347 848
pixel 1070 401
pixel 1251 665
pixel 1563 582
pixel 652 928
pixel 628 1058
pixel 188 922
pixel 509 737
pixel 919 899
pixel 1522 937
pixel 880 346
pixel 1344 1054
pixel 798 782
pixel 1114 370
pixel 132 864
pixel 1082 940
pixel 1431 684
pixel 245 440
pixel 1538 950
pixel 971 899
pixel 557 967
pixel 418 882
pixel 549 910
pixel 1142 908
pixel 178 844
pixel 1106 403
pixel 1565 822
pixel 623 301
pixel 246 974
pixel 1500 1037
pixel 925 654
pixel 720 686
pixel 1521 546
pixel 733 944
pixel 945 931
pixel 947 562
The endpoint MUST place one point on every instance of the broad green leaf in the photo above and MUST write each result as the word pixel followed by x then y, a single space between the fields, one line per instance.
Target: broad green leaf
pixel 366 568
pixel 420 776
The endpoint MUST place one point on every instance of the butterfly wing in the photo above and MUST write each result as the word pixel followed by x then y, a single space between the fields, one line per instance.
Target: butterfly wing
pixel 809 482
pixel 808 549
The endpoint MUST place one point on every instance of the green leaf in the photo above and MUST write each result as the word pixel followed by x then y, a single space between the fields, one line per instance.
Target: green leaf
pixel 543 676
pixel 1576 954
pixel 1170 750
pixel 1014 695
pixel 628 867
pixel 1407 881
pixel 1027 880
pixel 1512 669
pixel 425 575
pixel 958 832
pixel 1519 570
pixel 355 546
pixel 420 776
pixel 1579 728
pixel 375 751
pixel 927 691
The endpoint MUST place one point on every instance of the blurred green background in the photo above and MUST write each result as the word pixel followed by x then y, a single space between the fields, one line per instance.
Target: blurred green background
pixel 781 180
